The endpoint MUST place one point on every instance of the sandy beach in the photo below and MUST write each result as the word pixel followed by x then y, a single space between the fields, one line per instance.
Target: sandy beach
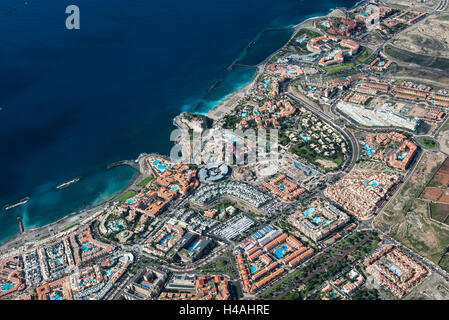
pixel 230 102
pixel 88 214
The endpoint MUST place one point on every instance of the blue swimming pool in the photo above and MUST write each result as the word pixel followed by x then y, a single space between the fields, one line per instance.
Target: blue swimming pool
pixel 56 296
pixel 192 247
pixel 266 83
pixel 253 268
pixel 402 156
pixel 116 226
pixel 308 212
pixel 167 237
pixel 302 39
pixel 279 252
pixel 317 220
pixel 6 286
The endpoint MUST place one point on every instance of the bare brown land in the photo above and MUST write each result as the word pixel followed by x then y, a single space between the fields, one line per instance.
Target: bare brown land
pixel 407 218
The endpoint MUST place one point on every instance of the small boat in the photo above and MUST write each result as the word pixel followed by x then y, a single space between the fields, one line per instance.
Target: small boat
pixel 17 203
pixel 68 183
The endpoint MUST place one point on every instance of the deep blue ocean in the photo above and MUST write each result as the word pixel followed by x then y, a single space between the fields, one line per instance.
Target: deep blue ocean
pixel 74 101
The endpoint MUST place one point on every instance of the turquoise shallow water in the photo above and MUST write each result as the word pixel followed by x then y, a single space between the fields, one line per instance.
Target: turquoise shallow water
pixel 74 102
pixel 49 204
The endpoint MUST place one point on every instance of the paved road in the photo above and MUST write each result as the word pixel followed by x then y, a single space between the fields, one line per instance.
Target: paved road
pixel 330 120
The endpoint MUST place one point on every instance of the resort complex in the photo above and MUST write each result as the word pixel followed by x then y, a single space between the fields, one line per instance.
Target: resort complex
pixel 326 177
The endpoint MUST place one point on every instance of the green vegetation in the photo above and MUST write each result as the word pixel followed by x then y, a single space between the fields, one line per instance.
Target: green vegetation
pixel 439 212
pixel 340 68
pixel 301 48
pixel 326 266
pixel 145 181
pixel 69 227
pixel 363 55
pixel 303 151
pixel 420 59
pixel 444 261
pixel 206 122
pixel 125 196
pixel 230 121
pixel 427 142
pixel 294 295
pixel 221 266
pixel 366 294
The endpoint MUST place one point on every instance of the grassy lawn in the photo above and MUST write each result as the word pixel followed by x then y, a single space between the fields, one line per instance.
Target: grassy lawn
pixel 363 55
pixel 125 196
pixel 427 143
pixel 301 48
pixel 145 181
pixel 339 68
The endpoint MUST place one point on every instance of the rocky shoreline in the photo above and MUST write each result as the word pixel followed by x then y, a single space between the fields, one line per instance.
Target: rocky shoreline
pixel 88 214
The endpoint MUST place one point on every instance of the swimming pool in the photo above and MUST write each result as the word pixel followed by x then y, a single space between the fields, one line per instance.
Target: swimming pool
pixel 279 252
pixel 56 296
pixel 6 286
pixel 167 237
pixel 307 171
pixel 266 83
pixel 317 220
pixel 192 247
pixel 253 268
pixel 402 156
pixel 308 212
pixel 116 226
pixel 175 187
pixel 302 39
pixel 368 149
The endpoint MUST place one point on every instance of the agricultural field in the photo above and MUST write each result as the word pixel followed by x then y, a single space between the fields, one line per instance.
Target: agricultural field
pixel 437 189
pixel 407 218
